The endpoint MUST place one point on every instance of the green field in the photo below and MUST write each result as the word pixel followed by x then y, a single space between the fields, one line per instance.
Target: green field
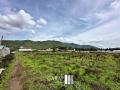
pixel 92 71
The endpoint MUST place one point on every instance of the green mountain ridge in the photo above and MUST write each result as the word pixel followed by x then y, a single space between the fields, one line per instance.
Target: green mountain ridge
pixel 15 44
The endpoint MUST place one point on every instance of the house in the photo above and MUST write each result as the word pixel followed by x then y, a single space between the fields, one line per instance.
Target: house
pixel 116 51
pixel 46 50
pixel 24 49
pixel 49 49
pixel 72 50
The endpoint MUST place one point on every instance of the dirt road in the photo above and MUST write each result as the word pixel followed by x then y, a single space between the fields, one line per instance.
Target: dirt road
pixel 15 82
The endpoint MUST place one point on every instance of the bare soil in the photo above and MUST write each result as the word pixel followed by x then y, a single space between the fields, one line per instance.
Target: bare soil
pixel 16 81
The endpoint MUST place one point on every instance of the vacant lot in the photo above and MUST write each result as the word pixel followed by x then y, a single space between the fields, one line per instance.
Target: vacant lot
pixel 44 71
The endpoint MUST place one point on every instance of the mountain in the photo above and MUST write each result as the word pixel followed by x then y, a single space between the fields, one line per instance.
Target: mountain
pixel 15 44
pixel 80 46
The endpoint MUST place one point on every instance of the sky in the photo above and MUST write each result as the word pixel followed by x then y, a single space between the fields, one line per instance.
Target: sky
pixel 84 22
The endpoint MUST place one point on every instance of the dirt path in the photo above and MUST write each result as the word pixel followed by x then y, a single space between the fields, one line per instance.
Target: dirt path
pixel 15 82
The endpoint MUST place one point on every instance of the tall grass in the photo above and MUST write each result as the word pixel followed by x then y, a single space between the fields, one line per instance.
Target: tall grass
pixel 92 71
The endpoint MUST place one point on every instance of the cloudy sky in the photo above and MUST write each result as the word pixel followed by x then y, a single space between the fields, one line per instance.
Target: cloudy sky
pixel 93 22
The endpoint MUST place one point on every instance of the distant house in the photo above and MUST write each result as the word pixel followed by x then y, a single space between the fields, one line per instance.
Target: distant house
pixel 24 49
pixel 49 49
pixel 72 50
pixel 116 51
pixel 46 50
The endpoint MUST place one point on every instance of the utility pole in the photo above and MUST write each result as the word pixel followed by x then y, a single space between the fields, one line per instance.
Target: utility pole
pixel 1 40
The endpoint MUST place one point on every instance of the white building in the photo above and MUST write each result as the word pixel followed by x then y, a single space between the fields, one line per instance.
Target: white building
pixel 25 50
pixel 46 50
pixel 116 51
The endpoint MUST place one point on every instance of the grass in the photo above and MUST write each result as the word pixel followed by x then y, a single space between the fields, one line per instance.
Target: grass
pixel 6 74
pixel 92 71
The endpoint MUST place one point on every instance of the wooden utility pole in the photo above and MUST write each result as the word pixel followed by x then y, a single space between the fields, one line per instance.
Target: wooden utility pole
pixel 1 40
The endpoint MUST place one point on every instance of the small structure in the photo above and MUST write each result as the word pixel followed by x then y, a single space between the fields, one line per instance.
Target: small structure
pixel 72 50
pixel 23 49
pixel 46 50
pixel 116 51
pixel 49 49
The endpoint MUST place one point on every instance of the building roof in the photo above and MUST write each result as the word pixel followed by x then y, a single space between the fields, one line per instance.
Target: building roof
pixel 1 47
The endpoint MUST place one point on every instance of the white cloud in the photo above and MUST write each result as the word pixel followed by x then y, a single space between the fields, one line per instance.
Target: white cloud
pixel 106 35
pixel 33 31
pixel 112 12
pixel 115 4
pixel 104 32
pixel 42 21
pixel 101 15
pixel 20 20
pixel 26 18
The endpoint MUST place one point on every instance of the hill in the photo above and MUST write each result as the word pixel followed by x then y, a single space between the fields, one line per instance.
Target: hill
pixel 15 44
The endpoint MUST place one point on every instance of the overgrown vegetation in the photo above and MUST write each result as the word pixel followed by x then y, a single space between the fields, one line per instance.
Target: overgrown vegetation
pixel 7 63
pixel 4 61
pixel 92 71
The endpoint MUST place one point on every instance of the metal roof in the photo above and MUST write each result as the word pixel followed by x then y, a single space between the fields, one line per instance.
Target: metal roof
pixel 4 51
pixel 1 47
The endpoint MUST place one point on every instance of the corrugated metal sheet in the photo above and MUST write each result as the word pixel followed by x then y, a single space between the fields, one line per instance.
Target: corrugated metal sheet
pixel 4 51
pixel 1 47
pixel 1 70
